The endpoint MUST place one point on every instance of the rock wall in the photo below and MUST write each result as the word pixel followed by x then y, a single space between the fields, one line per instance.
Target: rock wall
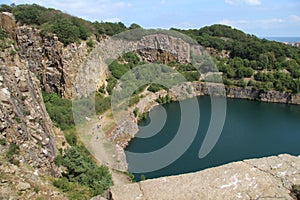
pixel 264 178
pixel 24 119
pixel 55 65
pixel 246 93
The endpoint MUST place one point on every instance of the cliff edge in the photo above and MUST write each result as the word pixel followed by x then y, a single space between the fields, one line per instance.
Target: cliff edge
pixel 264 178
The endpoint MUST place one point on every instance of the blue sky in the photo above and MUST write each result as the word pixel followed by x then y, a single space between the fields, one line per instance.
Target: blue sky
pixel 263 18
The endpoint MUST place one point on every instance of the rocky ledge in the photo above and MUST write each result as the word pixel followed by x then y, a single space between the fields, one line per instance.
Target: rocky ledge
pixel 264 178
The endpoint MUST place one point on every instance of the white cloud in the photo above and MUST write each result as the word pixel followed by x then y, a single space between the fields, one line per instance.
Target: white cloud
pixel 115 19
pixel 233 22
pixel 253 22
pixel 88 9
pixel 295 18
pixel 248 2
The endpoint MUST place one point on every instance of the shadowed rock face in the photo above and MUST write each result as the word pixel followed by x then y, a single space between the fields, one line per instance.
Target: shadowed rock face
pixel 270 177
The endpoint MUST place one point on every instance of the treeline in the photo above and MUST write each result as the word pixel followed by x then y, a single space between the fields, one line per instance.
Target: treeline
pixel 67 28
pixel 240 44
pixel 258 63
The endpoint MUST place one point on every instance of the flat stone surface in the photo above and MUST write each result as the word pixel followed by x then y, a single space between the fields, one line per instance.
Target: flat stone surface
pixel 264 178
pixel 23 186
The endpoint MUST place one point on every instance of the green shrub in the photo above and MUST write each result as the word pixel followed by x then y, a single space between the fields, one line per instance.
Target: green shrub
pixel 101 103
pixel 12 150
pixel 134 100
pixel 59 110
pixel 3 141
pixel 3 34
pixel 90 43
pixel 71 137
pixel 164 99
pixel 156 87
pixel 136 112
pixel 82 172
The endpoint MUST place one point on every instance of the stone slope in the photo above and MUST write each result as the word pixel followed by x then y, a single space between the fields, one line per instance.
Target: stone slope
pixel 264 178
pixel 24 122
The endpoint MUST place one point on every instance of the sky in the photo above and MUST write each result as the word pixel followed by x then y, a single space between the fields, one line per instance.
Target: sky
pixel 263 18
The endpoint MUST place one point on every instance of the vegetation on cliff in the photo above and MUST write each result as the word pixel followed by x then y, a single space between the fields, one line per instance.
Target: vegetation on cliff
pixel 67 28
pixel 82 178
pixel 250 61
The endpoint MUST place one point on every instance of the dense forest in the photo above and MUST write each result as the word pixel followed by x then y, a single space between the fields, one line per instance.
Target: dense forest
pixel 258 63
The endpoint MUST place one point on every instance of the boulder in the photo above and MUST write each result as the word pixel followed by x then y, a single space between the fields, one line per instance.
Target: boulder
pixel 22 186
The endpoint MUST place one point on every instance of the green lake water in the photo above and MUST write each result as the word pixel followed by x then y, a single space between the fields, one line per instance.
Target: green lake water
pixel 251 130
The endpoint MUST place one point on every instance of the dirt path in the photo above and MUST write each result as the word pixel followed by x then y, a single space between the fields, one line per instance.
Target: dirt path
pixel 92 134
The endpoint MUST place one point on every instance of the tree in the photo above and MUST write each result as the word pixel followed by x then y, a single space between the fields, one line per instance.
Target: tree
pixel 134 26
pixel 263 61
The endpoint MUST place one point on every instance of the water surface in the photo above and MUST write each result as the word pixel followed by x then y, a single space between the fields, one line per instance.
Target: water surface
pixel 252 130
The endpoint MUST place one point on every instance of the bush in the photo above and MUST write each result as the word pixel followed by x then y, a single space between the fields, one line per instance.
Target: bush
pixel 136 112
pixel 90 43
pixel 133 100
pixel 2 141
pixel 155 88
pixel 71 137
pixel 83 171
pixel 59 110
pixel 12 150
pixel 101 103
pixel 164 99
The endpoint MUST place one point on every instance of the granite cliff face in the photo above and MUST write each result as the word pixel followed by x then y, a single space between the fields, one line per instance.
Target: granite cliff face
pixel 25 123
pixel 264 178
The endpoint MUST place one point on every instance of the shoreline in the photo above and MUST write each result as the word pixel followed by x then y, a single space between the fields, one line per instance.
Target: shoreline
pixel 121 135
pixel 179 93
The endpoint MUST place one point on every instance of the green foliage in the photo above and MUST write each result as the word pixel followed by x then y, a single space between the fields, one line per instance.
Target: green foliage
pixel 71 137
pixel 6 8
pixel 59 110
pixel 12 150
pixel 29 14
pixel 83 173
pixel 3 34
pixel 134 100
pixel 109 28
pixel 142 177
pixel 156 87
pixel 3 141
pixel 67 28
pixel 142 116
pixel 136 112
pixel 64 28
pixel 134 26
pixel 117 69
pixel 90 43
pixel 36 189
pixel 249 54
pixel 111 83
pixel 101 103
pixel 120 66
pixel 131 176
pixel 164 99
pixel 72 189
